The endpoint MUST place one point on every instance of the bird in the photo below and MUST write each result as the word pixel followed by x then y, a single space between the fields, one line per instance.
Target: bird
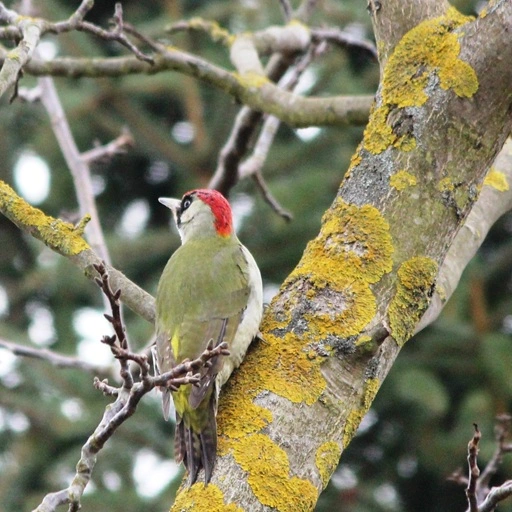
pixel 209 292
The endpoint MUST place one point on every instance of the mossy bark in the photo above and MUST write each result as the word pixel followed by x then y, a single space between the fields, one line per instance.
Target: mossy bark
pixel 340 319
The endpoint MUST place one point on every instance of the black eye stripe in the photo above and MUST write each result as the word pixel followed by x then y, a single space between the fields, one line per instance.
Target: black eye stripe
pixel 185 203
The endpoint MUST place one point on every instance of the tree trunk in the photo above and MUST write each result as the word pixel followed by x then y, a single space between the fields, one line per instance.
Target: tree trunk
pixel 331 335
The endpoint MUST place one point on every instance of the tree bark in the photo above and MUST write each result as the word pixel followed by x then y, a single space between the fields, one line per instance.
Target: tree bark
pixel 331 335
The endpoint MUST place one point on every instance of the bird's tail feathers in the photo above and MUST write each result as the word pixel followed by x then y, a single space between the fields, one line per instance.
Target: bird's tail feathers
pixel 197 450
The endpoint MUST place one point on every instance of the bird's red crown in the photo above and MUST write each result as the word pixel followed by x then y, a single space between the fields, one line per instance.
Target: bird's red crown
pixel 220 209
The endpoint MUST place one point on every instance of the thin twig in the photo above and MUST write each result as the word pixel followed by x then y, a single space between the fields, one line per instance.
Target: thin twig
pixel 105 153
pixel 474 472
pixel 119 341
pixel 269 198
pixel 287 9
pixel 344 40
pixel 54 358
pixel 117 33
pixel 501 431
pixel 127 396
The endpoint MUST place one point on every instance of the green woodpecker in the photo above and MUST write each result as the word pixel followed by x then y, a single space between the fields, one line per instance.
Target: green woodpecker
pixel 210 291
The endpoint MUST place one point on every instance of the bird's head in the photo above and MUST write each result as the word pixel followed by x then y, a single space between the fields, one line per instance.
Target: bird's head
pixel 200 213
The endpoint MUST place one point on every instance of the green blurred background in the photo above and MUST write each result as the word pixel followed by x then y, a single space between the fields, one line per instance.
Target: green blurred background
pixel 453 374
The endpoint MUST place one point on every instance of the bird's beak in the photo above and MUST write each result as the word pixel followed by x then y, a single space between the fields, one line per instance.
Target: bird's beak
pixel 172 204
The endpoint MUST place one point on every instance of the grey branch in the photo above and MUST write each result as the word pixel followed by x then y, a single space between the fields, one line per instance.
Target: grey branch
pixel 29 31
pixel 496 495
pixel 78 167
pixel 490 206
pixel 127 396
pixel 254 164
pixel 54 358
pixel 502 430
pixel 104 153
pixel 479 496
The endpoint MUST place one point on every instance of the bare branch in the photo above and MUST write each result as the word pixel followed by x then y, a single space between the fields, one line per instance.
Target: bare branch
pixel 127 396
pixel 343 39
pixel 480 497
pixel 269 198
pixel 104 153
pixel 54 358
pixel 29 31
pixel 287 9
pixel 117 33
pixel 119 342
pixel 263 96
pixel 474 472
pixel 67 240
pixel 77 165
pixel 244 127
pixel 254 164
pixel 501 431
pixel 496 495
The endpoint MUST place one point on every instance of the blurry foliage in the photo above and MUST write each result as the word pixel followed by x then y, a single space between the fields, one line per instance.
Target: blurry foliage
pixel 453 374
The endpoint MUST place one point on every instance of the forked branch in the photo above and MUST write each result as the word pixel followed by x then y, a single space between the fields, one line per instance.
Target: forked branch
pixel 128 395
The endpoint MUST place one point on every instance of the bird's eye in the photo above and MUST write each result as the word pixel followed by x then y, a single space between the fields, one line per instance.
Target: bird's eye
pixel 187 201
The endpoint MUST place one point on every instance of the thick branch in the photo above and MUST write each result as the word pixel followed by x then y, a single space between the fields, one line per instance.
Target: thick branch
pixel 253 91
pixel 494 201
pixel 30 32
pixel 67 240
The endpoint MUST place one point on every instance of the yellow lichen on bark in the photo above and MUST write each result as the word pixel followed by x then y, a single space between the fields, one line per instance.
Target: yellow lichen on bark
pixel 446 185
pixel 354 243
pixel 252 80
pixel 248 419
pixel 497 180
pixel 353 250
pixel 401 180
pixel 269 477
pixel 355 306
pixel 326 460
pixel 430 47
pixel 379 135
pixel 414 289
pixel 60 236
pixel 289 371
pixel 199 497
